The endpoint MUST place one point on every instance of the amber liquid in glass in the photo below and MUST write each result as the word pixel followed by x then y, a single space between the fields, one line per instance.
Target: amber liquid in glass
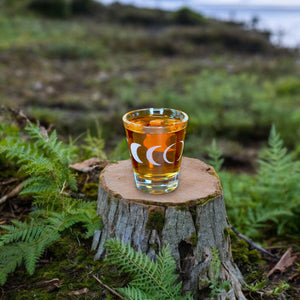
pixel 156 145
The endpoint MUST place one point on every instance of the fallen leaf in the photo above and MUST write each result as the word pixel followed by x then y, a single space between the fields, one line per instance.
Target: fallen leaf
pixel 79 292
pixel 285 262
pixel 89 165
pixel 53 281
pixel 50 285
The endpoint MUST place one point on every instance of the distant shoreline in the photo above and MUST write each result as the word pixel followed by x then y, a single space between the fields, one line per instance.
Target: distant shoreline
pixel 281 21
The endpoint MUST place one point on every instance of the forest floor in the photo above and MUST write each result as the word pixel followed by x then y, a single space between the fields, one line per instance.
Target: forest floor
pixel 67 270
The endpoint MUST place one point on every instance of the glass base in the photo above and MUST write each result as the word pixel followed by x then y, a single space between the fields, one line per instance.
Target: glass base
pixel 156 187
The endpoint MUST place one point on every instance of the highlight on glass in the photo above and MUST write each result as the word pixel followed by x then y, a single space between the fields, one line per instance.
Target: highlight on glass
pixel 155 139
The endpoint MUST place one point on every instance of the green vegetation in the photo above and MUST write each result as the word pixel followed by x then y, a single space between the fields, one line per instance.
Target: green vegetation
pixel 216 285
pixel 155 220
pixel 69 269
pixel 86 64
pixel 43 161
pixel 268 202
pixel 149 280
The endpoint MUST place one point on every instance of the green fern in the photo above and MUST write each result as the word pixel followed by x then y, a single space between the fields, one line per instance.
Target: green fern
pixel 278 187
pixel 93 145
pixel 44 161
pixel 269 200
pixel 149 280
pixel 215 156
pixel 30 239
pixel 42 229
pixel 216 285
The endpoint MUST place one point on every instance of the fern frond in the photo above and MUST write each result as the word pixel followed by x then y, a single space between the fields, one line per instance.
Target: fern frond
pixel 46 172
pixel 215 156
pixel 143 271
pixel 88 218
pixel 216 285
pixel 45 161
pixel 36 165
pixel 30 242
pixel 40 185
pixel 10 259
pixel 15 150
pixel 278 184
pixel 132 293
pixel 269 199
pixel 166 267
pixel 94 145
pixel 52 148
pixel 33 238
pixel 32 251
pixel 17 231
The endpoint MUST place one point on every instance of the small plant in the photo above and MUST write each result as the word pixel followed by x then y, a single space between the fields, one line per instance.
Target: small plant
pixel 277 187
pixel 257 286
pixel 216 286
pixel 268 200
pixel 93 145
pixel 278 290
pixel 43 161
pixel 215 156
pixel 149 280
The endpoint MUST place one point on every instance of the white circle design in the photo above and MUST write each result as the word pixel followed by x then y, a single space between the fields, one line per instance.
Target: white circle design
pixel 133 148
pixel 165 154
pixel 149 155
pixel 181 150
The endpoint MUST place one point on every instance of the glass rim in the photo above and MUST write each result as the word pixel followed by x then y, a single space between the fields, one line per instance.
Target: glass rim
pixel 184 120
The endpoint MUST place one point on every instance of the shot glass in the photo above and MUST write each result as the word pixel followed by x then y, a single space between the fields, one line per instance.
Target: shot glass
pixel 155 139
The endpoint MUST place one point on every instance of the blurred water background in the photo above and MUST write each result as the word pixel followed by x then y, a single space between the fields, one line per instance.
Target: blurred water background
pixel 283 19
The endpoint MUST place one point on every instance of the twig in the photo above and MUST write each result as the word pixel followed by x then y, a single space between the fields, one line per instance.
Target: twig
pixel 109 288
pixel 11 180
pixel 254 245
pixel 63 188
pixel 12 193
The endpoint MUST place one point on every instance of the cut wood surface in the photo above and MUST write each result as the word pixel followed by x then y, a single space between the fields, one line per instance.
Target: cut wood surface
pixel 197 181
pixel 192 220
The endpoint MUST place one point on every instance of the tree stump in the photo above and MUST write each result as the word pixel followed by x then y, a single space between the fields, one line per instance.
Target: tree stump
pixel 192 220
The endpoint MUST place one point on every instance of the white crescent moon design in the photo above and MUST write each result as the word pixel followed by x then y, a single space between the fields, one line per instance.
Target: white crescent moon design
pixel 165 154
pixel 181 150
pixel 133 149
pixel 149 155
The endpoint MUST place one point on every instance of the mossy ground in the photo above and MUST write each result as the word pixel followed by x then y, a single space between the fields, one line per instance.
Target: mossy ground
pixel 65 272
pixel 248 260
pixel 254 268
pixel 91 190
pixel 67 266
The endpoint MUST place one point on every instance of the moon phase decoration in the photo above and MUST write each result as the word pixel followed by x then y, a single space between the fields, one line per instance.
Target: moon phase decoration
pixel 149 154
pixel 182 142
pixel 133 149
pixel 165 154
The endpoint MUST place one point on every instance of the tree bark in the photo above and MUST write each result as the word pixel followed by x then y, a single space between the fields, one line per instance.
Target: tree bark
pixel 192 220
